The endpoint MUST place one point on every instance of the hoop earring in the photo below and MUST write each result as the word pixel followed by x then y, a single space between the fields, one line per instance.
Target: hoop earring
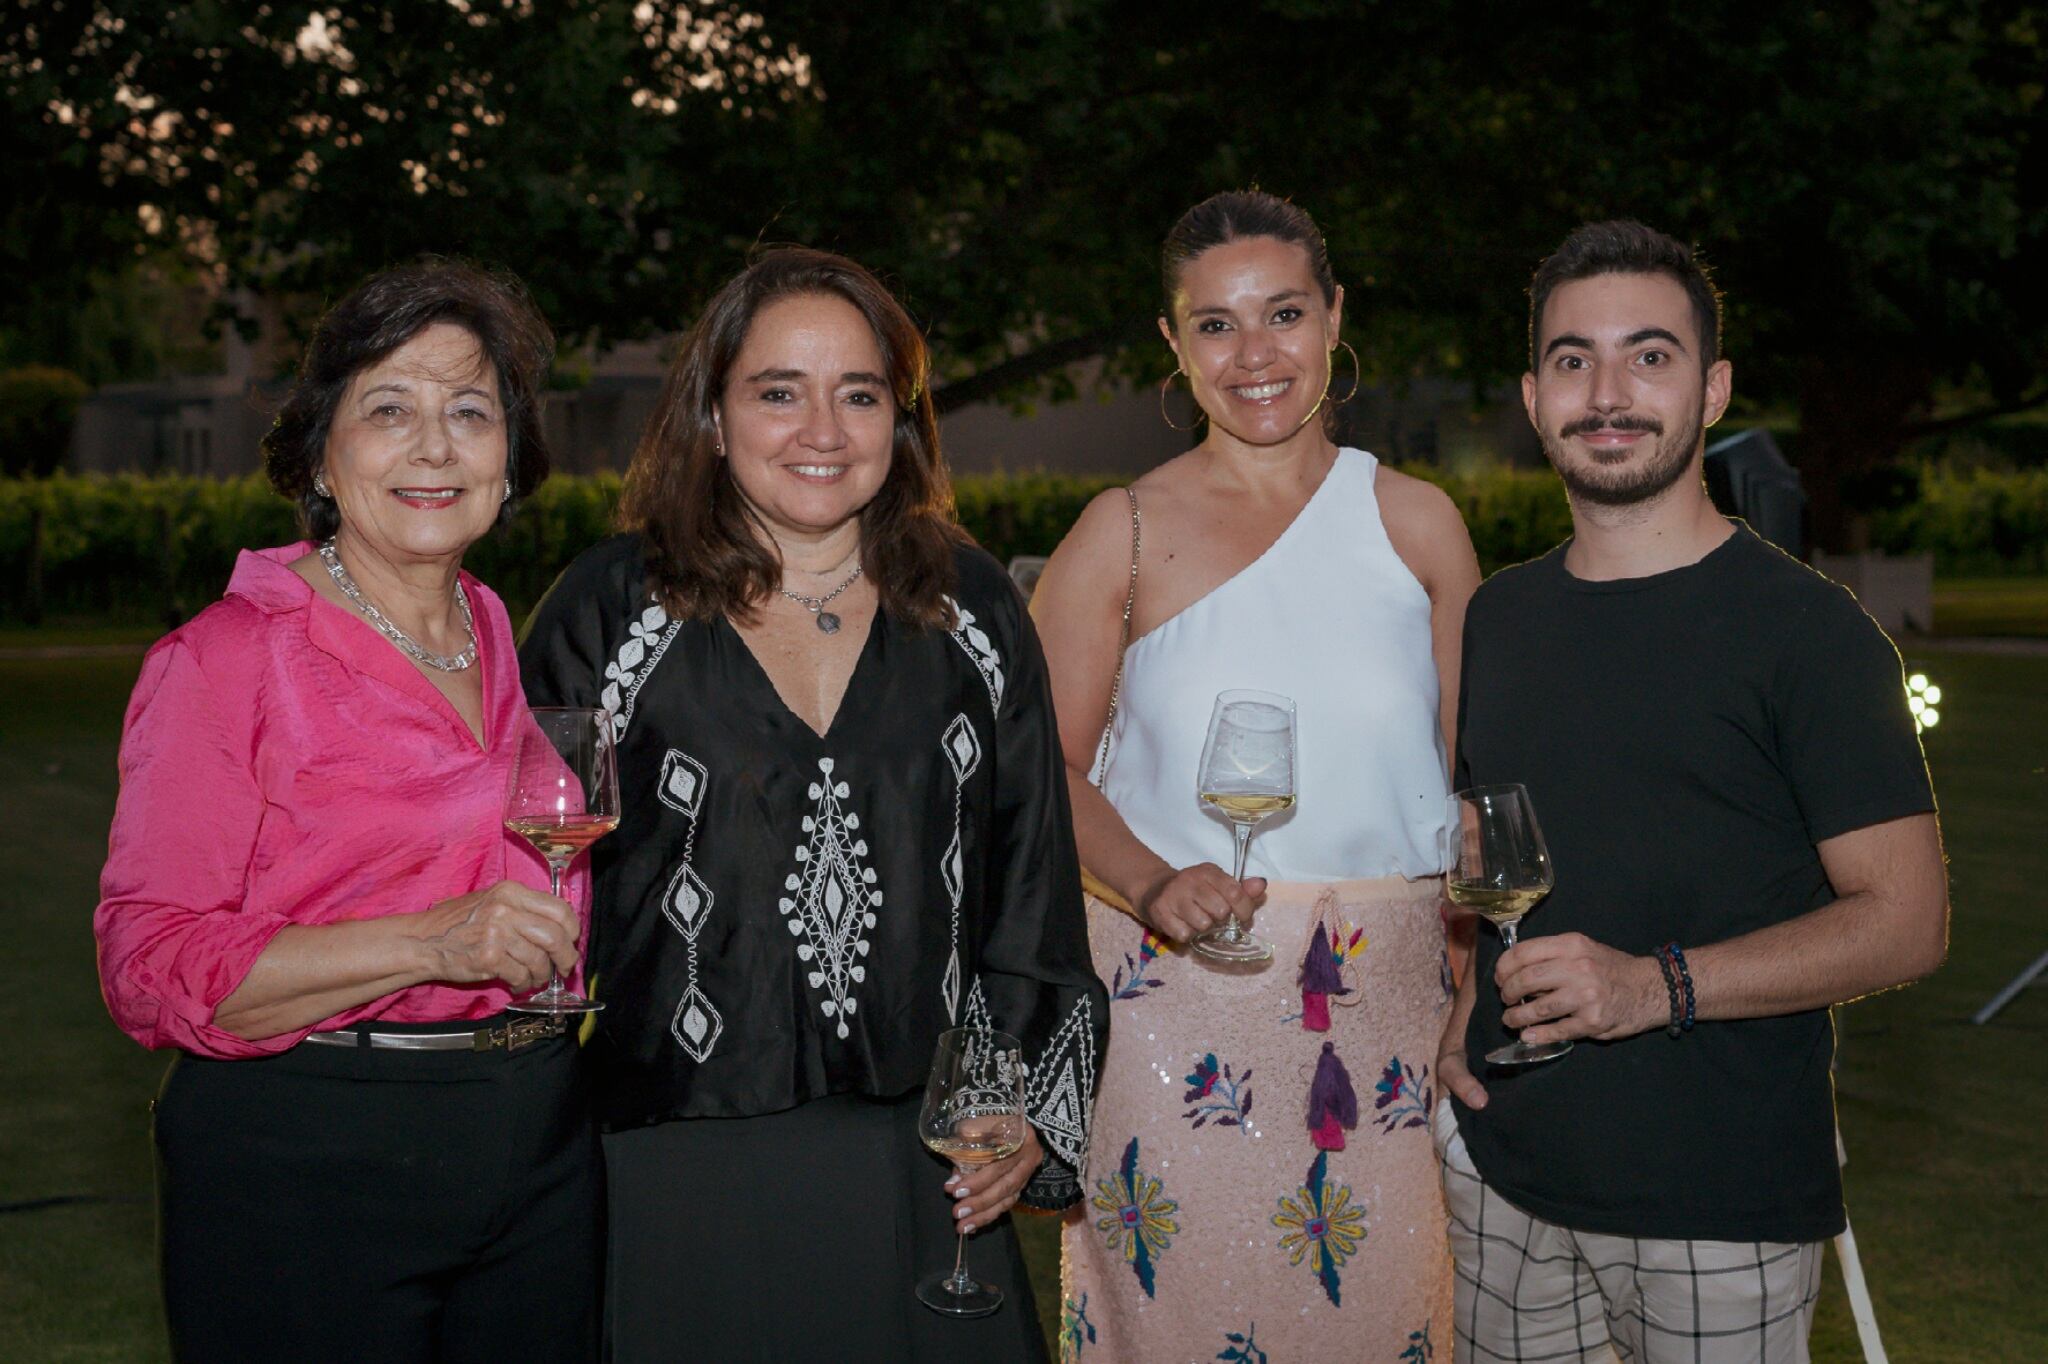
pixel 320 485
pixel 1357 376
pixel 1164 385
pixel 1329 376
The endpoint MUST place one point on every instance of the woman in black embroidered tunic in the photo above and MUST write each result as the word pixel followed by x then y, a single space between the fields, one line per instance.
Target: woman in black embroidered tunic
pixel 834 848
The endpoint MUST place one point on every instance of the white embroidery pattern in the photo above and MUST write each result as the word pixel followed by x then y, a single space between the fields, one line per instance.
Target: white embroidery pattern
pixel 1059 1093
pixel 687 902
pixel 647 639
pixel 963 755
pixel 832 899
pixel 971 638
pixel 977 1010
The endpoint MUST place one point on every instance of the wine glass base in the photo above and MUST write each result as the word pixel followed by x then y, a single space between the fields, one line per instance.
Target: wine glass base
pixel 554 1004
pixel 1244 947
pixel 1526 1053
pixel 942 1293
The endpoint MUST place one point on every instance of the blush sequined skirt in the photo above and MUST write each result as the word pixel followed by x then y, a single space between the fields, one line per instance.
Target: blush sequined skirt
pixel 1260 1178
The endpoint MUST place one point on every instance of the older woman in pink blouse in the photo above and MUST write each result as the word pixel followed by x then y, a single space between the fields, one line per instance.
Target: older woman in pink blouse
pixel 309 892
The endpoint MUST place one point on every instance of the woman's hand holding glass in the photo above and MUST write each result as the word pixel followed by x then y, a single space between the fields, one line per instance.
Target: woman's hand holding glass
pixel 1247 774
pixel 1186 904
pixel 562 797
pixel 973 1115
pixel 509 932
pixel 984 1193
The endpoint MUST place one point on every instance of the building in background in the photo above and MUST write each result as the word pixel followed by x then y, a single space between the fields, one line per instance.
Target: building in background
pixel 211 425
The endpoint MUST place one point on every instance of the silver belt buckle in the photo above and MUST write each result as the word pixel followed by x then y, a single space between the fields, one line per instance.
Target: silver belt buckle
pixel 512 1036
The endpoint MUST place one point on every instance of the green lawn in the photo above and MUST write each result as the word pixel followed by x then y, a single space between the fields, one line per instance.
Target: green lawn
pixel 1943 1121
pixel 1991 606
pixel 76 1281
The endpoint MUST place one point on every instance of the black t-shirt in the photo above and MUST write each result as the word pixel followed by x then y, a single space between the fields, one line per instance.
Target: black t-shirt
pixel 1686 739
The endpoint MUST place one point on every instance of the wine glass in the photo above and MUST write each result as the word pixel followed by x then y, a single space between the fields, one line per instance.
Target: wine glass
pixel 1247 773
pixel 973 1114
pixel 1495 865
pixel 564 796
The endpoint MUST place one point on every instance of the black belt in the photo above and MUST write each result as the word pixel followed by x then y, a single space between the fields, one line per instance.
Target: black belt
pixel 509 1035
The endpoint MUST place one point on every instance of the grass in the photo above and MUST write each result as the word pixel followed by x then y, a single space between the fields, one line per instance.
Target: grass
pixel 1991 606
pixel 76 1281
pixel 1942 1120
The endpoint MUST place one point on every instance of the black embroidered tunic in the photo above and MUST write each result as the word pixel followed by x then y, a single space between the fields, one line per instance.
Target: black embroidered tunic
pixel 783 916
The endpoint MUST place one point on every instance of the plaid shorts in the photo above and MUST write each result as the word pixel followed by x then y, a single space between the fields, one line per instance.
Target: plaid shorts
pixel 1529 1290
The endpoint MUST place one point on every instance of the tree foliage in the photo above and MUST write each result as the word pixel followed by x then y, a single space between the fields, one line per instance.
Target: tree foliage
pixel 37 405
pixel 1866 176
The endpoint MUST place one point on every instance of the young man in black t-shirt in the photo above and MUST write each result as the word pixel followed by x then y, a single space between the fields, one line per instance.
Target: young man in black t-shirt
pixel 1717 745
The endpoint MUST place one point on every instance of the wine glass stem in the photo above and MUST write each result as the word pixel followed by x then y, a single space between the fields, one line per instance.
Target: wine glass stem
pixel 1241 834
pixel 1507 937
pixel 960 1282
pixel 556 867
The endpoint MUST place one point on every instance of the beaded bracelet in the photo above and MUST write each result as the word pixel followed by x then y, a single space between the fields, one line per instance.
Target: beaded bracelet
pixel 1673 1028
pixel 1677 955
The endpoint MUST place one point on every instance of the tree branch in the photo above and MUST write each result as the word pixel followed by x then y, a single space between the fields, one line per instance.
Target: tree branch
pixel 1019 369
pixel 1935 427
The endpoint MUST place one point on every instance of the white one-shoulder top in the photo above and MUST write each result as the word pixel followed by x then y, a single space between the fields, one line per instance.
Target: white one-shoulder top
pixel 1330 616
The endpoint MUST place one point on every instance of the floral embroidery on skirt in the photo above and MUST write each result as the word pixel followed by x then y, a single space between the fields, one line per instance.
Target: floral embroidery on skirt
pixel 1220 1228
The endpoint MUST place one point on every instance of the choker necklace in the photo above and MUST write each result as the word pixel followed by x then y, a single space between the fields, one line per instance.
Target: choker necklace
pixel 448 664
pixel 828 621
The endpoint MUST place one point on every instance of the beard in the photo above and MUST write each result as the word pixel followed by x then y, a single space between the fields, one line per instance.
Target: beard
pixel 1604 481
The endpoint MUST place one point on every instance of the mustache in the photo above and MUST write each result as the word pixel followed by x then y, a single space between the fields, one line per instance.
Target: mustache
pixel 1623 422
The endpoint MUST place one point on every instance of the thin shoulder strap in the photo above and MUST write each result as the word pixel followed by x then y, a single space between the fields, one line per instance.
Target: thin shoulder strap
pixel 1116 684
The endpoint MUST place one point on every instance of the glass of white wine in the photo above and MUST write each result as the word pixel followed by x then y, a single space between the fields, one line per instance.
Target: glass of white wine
pixel 973 1115
pixel 564 796
pixel 1247 773
pixel 1495 865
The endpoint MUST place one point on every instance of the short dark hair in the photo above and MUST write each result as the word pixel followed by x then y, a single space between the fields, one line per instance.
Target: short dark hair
pixel 1626 247
pixel 377 317
pixel 702 553
pixel 1233 216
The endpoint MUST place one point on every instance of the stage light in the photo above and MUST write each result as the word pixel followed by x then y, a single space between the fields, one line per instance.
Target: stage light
pixel 1922 698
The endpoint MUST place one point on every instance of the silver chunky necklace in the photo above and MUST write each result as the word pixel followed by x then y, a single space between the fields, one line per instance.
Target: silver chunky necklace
pixel 446 663
pixel 828 621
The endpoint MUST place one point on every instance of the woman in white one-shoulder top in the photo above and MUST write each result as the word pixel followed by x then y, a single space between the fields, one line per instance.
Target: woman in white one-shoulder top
pixel 1260 1178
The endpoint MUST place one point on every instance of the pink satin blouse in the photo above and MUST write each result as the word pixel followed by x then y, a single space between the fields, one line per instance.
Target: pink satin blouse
pixel 281 763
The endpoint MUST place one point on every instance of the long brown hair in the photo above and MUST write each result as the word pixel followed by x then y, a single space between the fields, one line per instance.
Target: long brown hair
pixel 704 553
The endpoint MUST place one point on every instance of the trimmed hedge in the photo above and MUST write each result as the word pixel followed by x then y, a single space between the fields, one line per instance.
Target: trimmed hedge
pixel 1513 514
pixel 131 547
pixel 135 548
pixel 1975 522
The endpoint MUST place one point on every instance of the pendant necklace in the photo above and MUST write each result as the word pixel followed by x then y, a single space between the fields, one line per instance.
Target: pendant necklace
pixel 411 648
pixel 828 621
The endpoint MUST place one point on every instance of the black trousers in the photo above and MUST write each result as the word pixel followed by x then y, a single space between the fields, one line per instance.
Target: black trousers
pixel 345 1205
pixel 798 1238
